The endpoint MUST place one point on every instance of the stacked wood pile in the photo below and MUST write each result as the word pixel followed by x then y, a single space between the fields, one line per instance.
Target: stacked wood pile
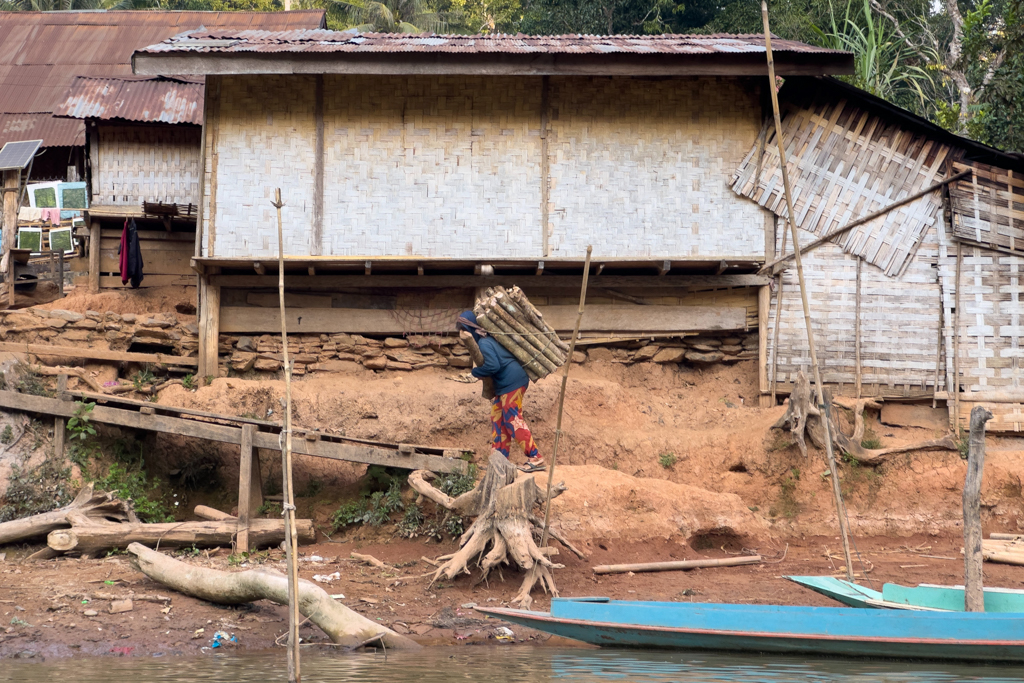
pixel 515 324
pixel 1003 548
pixel 96 522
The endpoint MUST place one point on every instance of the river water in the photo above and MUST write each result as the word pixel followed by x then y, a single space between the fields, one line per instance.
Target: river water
pixel 496 664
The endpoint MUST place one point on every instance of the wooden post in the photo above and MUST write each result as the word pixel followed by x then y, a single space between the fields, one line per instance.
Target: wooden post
pixel 545 166
pixel 94 256
pixel 561 395
pixel 209 327
pixel 291 549
pixel 245 486
pixel 856 328
pixel 60 274
pixel 316 238
pixel 955 388
pixel 974 595
pixel 791 217
pixel 764 304
pixel 58 422
pixel 12 181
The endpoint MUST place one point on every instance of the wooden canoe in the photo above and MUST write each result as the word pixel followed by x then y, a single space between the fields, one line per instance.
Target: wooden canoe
pixel 923 597
pixel 774 629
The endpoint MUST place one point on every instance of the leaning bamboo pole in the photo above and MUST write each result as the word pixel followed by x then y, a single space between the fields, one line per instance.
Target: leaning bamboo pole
pixel 791 217
pixel 291 550
pixel 561 396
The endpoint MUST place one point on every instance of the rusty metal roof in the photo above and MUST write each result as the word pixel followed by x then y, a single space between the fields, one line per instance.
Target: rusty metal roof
pixel 153 100
pixel 60 132
pixel 44 51
pixel 231 41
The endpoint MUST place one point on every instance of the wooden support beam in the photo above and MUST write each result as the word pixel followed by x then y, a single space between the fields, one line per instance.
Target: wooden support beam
pixel 722 265
pixel 370 455
pixel 650 320
pixel 540 268
pixel 419 270
pixel 58 422
pixel 97 354
pixel 368 268
pixel 664 268
pixel 259 268
pixel 311 270
pixel 245 486
pixel 94 256
pixel 209 328
pixel 9 225
pixel 600 269
pixel 548 281
pixel 764 304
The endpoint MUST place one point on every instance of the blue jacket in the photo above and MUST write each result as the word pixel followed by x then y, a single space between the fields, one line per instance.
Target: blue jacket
pixel 499 363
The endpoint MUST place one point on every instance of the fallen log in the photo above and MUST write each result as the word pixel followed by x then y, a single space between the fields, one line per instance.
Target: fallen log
pixel 1006 537
pixel 342 625
pixel 676 566
pixel 88 503
pixel 212 514
pixel 90 538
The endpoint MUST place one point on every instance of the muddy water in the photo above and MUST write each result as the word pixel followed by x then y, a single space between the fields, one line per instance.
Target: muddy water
pixel 498 665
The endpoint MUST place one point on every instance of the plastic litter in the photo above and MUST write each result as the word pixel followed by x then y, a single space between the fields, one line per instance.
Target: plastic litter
pixel 326 578
pixel 222 639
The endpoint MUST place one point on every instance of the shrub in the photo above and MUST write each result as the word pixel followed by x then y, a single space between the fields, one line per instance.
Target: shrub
pixel 667 460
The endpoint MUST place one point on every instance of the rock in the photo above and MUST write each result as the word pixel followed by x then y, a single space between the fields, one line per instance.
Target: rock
pixel 86 324
pixel 669 356
pixel 703 341
pixel 55 323
pixel 191 329
pixel 370 353
pixel 703 347
pixel 244 343
pixel 460 362
pixel 119 606
pixel 267 365
pixel 91 613
pixel 111 326
pixel 113 335
pixel 621 355
pixel 336 366
pixel 646 353
pixel 348 356
pixel 76 335
pixel 128 317
pixel 376 363
pixel 579 356
pixel 699 357
pixel 298 369
pixel 242 361
pixel 601 355
pixel 394 343
pixel 69 316
pixel 731 349
pixel 94 315
pixel 149 333
pixel 406 356
pixel 110 315
pixel 731 341
pixel 304 358
pixel 156 322
pixel 911 415
pixel 398 365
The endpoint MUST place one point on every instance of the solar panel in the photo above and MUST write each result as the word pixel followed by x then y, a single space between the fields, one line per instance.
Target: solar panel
pixel 16 155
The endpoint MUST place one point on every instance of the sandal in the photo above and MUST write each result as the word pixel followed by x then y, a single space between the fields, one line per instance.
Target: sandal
pixel 531 467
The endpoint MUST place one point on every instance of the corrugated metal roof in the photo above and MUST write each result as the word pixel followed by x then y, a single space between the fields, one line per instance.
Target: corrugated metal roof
pixel 154 100
pixel 351 41
pixel 44 51
pixel 53 131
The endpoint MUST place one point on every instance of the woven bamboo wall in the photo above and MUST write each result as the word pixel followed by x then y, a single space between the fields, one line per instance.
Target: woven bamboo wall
pixel 648 161
pixel 899 322
pixel 988 207
pixel 845 162
pixel 147 163
pixel 452 167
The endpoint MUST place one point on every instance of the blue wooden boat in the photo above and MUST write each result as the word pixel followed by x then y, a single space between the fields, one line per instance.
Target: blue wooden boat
pixel 774 629
pixel 922 597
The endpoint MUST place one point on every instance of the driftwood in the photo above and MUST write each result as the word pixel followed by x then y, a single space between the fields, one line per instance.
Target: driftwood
pixel 213 514
pixel 88 537
pixel 504 530
pixel 368 559
pixel 342 625
pixel 802 418
pixel 676 566
pixel 93 507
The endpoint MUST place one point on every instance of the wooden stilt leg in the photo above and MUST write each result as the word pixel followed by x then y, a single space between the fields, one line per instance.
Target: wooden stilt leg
pixel 245 478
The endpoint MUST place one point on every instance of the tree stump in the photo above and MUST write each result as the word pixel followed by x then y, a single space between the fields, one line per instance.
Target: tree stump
pixel 505 529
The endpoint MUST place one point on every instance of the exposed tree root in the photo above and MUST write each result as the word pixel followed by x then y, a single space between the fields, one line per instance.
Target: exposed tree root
pixel 505 529
pixel 802 418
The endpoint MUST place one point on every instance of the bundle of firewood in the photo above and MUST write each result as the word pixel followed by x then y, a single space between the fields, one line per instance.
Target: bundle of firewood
pixel 512 320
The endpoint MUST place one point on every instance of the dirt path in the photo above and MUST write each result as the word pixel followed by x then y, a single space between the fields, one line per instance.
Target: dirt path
pixel 44 615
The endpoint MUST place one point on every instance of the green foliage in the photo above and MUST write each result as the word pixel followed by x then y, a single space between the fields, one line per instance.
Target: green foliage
pixel 134 485
pixel 870 440
pixel 269 507
pixel 191 551
pixel 7 436
pixel 79 424
pixel 411 522
pixel 189 382
pixel 374 510
pixel 384 16
pixel 29 382
pixel 786 505
pixel 15 621
pixel 40 489
pixel 313 488
pixel 235 559
pixel 667 460
pixel 143 377
pixel 454 484
pixel 963 443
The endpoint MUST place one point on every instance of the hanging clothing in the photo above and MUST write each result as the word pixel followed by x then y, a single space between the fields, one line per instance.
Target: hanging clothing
pixel 507 423
pixel 130 255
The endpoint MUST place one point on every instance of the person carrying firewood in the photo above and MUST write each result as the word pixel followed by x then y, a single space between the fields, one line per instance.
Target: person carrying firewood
pixel 510 384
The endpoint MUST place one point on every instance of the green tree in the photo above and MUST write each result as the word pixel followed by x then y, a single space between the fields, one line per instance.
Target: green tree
pixel 384 16
pixel 47 5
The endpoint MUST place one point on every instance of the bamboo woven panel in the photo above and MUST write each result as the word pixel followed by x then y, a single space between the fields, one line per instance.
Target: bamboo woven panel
pixel 845 162
pixel 899 322
pixel 139 163
pixel 1006 417
pixel 988 207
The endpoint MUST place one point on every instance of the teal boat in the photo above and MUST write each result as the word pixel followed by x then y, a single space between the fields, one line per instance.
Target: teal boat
pixel 925 597
pixel 777 629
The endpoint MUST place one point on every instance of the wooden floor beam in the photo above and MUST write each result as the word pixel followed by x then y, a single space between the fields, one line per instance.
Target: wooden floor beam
pixel 97 354
pixel 548 281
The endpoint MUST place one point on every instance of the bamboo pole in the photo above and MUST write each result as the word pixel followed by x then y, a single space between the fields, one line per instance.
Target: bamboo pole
pixel 856 328
pixel 291 551
pixel 823 406
pixel 561 395
pixel 677 565
pixel 955 389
